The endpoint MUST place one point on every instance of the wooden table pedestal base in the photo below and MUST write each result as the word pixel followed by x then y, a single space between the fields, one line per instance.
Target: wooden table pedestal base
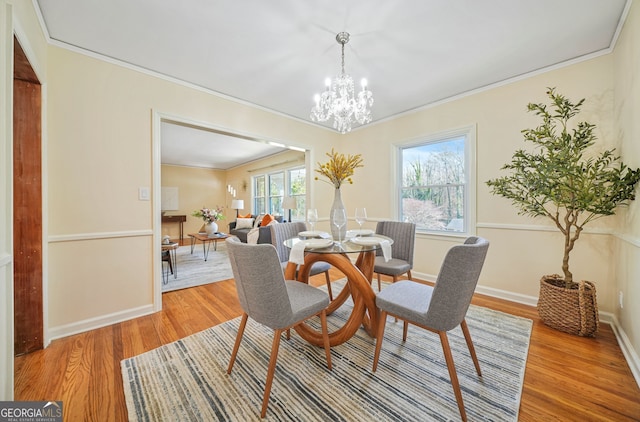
pixel 359 277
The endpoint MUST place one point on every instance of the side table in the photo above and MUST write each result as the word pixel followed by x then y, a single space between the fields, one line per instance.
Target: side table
pixel 173 256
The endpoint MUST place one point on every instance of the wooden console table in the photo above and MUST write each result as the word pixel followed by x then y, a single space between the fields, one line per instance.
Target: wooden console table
pixel 180 219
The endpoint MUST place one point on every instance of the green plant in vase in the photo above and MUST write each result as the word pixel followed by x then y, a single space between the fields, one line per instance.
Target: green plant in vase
pixel 562 180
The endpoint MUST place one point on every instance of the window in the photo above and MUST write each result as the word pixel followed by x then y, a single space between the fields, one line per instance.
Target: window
pixel 435 183
pixel 276 193
pixel 269 191
pixel 297 189
pixel 259 195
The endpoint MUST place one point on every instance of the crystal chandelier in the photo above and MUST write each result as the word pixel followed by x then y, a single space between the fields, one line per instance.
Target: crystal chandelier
pixel 339 101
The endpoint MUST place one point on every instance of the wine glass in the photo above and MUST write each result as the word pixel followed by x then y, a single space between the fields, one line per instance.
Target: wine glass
pixel 339 220
pixel 361 217
pixel 312 217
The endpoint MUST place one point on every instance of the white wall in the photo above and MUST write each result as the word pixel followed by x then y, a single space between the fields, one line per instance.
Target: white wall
pixel 99 146
pixel 197 187
pixel 522 249
pixel 101 150
pixel 626 262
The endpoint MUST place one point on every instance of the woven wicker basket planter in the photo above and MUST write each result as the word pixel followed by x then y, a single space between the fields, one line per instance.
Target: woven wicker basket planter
pixel 571 310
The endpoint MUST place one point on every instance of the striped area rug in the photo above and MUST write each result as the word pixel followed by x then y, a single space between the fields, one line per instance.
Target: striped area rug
pixel 187 380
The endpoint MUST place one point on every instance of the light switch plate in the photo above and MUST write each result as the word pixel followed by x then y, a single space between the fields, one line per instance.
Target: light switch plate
pixel 144 194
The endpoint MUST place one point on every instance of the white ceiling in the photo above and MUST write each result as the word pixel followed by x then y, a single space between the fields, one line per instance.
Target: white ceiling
pixel 192 146
pixel 276 54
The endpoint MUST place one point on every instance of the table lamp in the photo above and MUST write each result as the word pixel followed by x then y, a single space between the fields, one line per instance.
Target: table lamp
pixel 289 203
pixel 237 204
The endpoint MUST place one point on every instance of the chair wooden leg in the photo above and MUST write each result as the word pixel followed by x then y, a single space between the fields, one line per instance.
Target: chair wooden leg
pixel 379 288
pixel 288 334
pixel 472 350
pixel 325 337
pixel 409 275
pixel 271 371
pixel 452 372
pixel 326 275
pixel 236 346
pixel 405 326
pixel 395 278
pixel 379 337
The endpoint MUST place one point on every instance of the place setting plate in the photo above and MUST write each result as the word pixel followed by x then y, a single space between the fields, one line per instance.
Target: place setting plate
pixel 366 240
pixel 359 233
pixel 310 234
pixel 317 243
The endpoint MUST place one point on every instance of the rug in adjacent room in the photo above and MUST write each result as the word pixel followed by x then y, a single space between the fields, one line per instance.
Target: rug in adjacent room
pixel 187 380
pixel 193 270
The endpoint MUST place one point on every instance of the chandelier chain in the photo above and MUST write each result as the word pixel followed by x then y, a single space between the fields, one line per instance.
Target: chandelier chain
pixel 342 59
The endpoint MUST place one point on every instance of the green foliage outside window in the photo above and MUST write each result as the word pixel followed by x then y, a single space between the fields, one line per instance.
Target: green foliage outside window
pixel 433 185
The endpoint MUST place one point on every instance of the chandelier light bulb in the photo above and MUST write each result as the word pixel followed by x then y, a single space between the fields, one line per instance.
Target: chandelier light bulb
pixel 340 101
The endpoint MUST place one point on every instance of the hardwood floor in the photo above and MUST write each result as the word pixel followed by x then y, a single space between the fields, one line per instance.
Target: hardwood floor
pixel 567 378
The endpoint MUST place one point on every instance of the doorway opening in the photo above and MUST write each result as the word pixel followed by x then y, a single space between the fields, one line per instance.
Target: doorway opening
pixel 27 206
pixel 174 138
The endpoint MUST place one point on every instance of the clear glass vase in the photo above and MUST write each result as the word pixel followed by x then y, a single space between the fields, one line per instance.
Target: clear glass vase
pixel 337 204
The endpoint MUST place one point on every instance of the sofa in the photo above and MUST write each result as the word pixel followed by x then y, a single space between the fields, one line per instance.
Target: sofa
pixel 264 235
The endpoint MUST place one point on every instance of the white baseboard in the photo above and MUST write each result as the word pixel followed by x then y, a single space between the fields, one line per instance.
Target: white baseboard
pixel 630 354
pixel 488 291
pixel 628 351
pixel 510 296
pixel 627 348
pixel 98 322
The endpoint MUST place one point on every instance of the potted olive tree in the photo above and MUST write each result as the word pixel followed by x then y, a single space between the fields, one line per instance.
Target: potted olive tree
pixel 563 181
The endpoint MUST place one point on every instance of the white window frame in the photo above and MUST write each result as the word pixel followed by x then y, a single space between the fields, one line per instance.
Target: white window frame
pixel 300 211
pixel 253 193
pixel 469 135
pixel 268 194
pixel 287 188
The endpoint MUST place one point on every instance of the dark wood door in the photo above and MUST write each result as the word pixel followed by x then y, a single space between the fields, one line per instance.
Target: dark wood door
pixel 27 207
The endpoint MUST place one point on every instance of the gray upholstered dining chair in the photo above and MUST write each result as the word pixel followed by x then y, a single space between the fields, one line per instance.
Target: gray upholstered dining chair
pixel 440 308
pixel 284 231
pixel 269 299
pixel 403 235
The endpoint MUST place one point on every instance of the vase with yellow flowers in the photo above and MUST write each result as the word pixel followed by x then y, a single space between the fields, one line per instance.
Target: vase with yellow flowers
pixel 336 171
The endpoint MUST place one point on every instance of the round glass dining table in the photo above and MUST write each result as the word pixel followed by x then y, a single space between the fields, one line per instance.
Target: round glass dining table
pixel 359 275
